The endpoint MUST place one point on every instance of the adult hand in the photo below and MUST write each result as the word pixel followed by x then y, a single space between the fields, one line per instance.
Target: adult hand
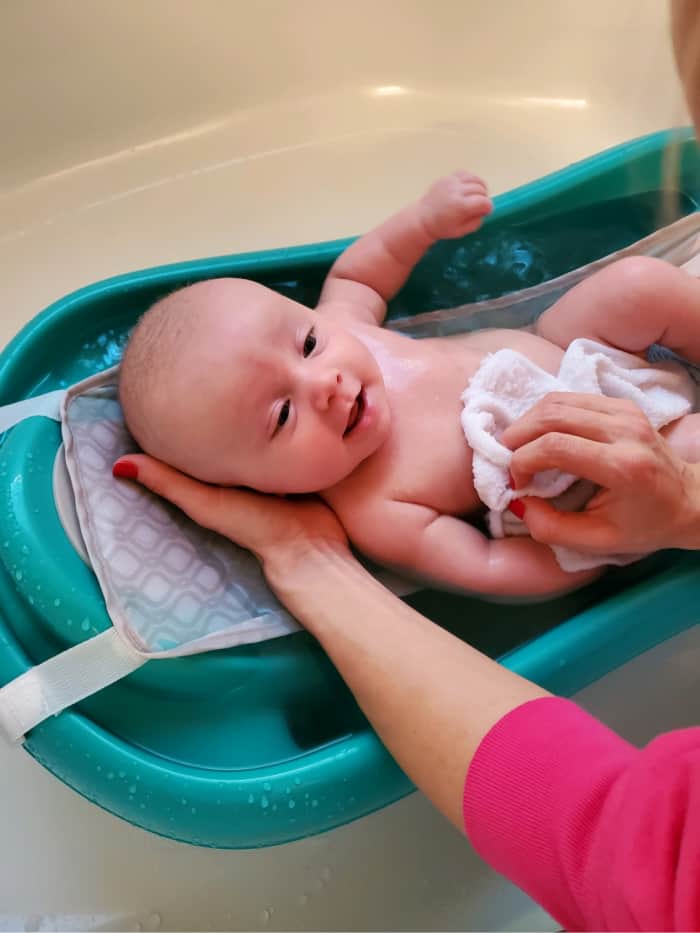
pixel 280 532
pixel 432 701
pixel 649 498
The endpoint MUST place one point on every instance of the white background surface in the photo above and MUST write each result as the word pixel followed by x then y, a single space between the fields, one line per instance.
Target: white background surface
pixel 136 134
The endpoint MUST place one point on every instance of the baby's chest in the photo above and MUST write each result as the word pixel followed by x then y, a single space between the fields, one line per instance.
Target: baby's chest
pixel 428 460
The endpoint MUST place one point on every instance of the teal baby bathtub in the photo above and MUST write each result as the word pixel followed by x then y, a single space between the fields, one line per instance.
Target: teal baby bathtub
pixel 264 744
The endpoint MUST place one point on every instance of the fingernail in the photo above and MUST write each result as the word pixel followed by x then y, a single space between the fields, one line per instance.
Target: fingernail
pixel 517 508
pixel 125 469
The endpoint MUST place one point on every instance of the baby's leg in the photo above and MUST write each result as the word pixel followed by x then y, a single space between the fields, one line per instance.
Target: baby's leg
pixel 630 304
pixel 684 437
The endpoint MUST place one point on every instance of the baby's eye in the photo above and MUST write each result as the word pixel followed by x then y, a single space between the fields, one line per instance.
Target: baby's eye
pixel 283 415
pixel 309 343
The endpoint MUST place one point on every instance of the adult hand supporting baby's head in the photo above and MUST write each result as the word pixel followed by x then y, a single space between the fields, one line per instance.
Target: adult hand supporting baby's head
pixel 649 498
pixel 282 533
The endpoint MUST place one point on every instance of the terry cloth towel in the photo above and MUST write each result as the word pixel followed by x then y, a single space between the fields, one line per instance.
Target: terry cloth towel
pixel 507 385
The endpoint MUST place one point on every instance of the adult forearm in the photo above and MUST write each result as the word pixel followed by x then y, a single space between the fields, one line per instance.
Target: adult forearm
pixel 430 697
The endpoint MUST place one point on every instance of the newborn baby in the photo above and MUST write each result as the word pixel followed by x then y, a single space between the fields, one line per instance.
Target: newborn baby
pixel 234 384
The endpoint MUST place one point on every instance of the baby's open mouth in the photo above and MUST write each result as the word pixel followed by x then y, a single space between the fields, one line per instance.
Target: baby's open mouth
pixel 358 406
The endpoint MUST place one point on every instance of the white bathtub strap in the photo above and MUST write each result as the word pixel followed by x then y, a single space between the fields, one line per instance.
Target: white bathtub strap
pixel 63 680
pixel 48 405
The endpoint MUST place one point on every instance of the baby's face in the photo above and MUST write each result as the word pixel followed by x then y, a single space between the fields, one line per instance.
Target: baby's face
pixel 280 399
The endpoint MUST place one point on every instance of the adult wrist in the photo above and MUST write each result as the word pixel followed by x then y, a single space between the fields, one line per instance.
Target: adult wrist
pixel 296 567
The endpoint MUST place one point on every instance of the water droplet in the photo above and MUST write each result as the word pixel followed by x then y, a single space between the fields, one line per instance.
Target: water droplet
pixel 110 776
pixel 132 789
pixel 122 774
pixel 69 621
pixel 264 802
pixel 25 549
pixel 85 625
pixel 303 900
pixel 291 805
pixel 194 809
pixel 18 575
pixel 251 798
pixel 264 916
pixel 57 602
pixel 297 781
pixel 183 802
pixel 267 786
pixel 314 803
pixel 154 922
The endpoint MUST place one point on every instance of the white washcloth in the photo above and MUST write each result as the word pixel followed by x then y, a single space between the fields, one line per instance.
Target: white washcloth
pixel 507 384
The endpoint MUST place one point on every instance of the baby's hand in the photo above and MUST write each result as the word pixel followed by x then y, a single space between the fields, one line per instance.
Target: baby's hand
pixel 454 206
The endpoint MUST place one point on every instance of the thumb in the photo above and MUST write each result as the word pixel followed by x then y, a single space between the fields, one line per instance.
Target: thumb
pixel 582 530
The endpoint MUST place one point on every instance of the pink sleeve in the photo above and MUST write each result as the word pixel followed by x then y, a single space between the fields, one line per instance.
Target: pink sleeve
pixel 603 835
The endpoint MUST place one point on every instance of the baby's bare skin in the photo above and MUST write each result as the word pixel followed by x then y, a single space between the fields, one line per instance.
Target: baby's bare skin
pixel 425 459
pixel 275 396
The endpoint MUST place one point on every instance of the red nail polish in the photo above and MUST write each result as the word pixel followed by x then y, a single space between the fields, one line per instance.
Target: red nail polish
pixel 517 508
pixel 125 469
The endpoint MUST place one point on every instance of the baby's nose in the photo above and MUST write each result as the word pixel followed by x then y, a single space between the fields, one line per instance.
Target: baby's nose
pixel 326 387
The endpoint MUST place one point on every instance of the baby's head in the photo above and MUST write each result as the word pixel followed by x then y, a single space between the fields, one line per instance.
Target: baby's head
pixel 234 384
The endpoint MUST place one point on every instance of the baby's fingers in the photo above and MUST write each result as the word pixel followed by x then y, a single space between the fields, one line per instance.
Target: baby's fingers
pixel 469 178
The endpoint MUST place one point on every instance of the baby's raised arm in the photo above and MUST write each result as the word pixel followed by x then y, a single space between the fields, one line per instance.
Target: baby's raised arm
pixel 452 554
pixel 371 271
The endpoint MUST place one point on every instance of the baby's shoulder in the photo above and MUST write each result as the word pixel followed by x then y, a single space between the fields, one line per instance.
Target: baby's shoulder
pixel 370 512
pixel 357 501
pixel 348 313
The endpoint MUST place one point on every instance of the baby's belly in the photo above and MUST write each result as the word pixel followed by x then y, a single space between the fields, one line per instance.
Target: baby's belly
pixel 428 460
pixel 540 351
pixel 433 466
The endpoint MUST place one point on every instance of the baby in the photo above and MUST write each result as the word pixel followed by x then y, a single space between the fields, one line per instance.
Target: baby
pixel 234 384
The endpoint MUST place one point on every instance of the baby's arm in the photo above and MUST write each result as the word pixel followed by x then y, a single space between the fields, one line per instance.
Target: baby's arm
pixel 452 554
pixel 371 271
pixel 630 304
